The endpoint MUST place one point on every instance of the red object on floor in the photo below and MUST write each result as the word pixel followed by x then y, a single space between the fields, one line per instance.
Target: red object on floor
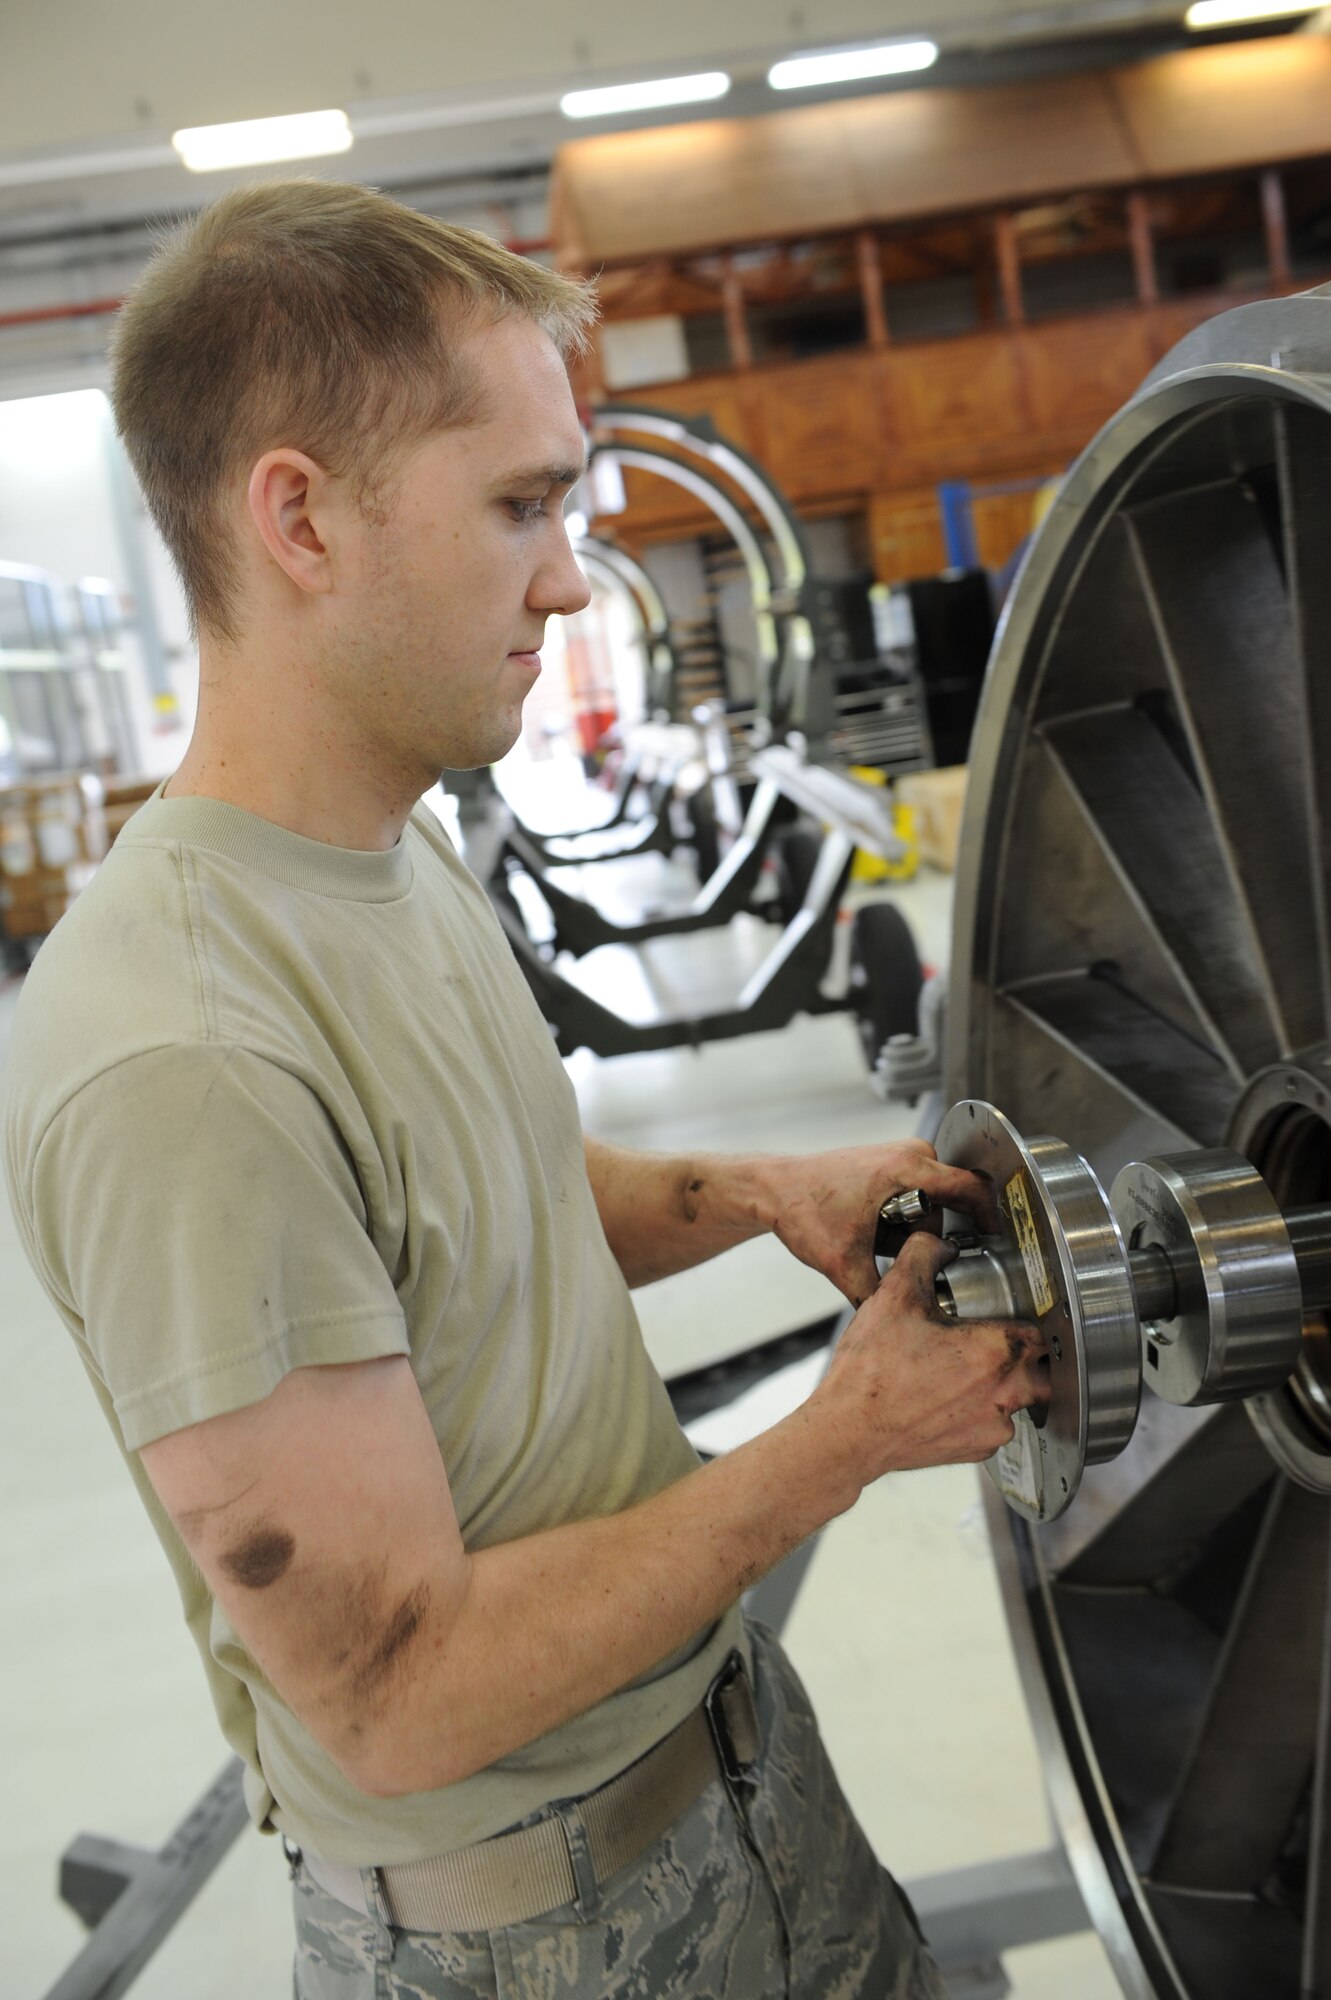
pixel 592 726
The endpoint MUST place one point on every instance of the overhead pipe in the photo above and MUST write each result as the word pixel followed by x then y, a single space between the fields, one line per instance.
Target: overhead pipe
pixel 40 315
pixel 521 246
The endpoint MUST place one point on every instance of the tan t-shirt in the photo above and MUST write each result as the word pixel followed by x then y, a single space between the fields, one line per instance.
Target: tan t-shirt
pixel 274 1104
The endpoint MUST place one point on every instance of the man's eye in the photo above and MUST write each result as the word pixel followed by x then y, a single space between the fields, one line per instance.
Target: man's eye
pixel 527 510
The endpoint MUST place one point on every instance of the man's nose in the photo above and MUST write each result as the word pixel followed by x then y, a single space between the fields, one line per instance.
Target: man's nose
pixel 561 586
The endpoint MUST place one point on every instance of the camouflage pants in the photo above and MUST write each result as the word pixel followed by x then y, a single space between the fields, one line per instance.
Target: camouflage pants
pixel 771 1895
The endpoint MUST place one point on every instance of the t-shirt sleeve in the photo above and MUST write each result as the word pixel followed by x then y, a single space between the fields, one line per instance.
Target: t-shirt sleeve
pixel 198 1212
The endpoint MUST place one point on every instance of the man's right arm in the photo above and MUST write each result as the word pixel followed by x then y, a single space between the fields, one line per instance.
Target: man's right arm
pixel 322 1521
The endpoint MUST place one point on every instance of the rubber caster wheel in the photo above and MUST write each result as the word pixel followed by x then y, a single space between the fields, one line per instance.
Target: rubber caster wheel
pixel 885 977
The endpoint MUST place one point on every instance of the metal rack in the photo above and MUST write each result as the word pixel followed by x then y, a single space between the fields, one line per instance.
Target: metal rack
pixel 64 698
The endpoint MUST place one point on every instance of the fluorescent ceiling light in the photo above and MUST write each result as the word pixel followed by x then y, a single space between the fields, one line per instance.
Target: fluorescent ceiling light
pixel 254 141
pixel 1229 13
pixel 851 65
pixel 645 96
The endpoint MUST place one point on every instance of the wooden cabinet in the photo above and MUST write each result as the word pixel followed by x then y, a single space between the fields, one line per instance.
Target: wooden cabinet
pixel 905 535
pixel 948 404
pixel 940 188
pixel 906 531
pixel 1002 523
pixel 626 197
pixel 877 429
pixel 821 420
pixel 1078 372
pixel 733 402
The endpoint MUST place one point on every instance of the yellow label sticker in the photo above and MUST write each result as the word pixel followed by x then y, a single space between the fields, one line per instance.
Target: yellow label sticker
pixel 1018 1202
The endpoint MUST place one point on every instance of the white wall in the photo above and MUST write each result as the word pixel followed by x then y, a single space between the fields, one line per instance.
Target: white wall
pixel 60 510
pixel 55 495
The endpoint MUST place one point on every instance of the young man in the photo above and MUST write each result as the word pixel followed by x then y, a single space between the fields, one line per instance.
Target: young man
pixel 292 1152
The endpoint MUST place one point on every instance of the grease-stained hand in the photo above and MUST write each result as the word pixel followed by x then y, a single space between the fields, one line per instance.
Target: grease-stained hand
pixel 909 1386
pixel 827 1204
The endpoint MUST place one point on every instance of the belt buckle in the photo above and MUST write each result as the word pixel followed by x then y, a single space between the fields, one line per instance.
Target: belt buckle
pixel 733 1719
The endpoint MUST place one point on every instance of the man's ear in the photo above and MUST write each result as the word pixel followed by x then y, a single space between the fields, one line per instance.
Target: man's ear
pixel 290 501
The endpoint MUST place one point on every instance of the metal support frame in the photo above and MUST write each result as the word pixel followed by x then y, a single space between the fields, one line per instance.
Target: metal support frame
pixel 786 614
pixel 971 1916
pixel 580 927
pixel 132 1898
pixel 788 981
pixel 650 831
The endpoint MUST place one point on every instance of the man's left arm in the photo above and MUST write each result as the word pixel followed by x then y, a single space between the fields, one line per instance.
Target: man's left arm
pixel 665 1212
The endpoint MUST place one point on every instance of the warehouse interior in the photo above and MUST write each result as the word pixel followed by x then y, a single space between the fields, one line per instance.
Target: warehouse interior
pixel 938 754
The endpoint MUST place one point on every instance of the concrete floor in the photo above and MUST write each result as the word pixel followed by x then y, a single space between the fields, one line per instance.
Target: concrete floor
pixel 898 1628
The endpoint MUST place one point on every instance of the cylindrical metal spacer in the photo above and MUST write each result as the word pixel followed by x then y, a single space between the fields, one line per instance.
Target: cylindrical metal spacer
pixel 1234 1325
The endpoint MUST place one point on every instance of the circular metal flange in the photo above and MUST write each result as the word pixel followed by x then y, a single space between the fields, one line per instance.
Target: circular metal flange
pixel 1047 954
pixel 1282 1122
pixel 1237 1324
pixel 1070 1275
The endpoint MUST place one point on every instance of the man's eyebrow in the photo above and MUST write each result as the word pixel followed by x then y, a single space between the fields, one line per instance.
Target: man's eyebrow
pixel 545 475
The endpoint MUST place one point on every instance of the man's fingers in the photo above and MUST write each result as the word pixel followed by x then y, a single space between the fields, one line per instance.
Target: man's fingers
pixel 1028 1379
pixel 957 1187
pixel 1019 1359
pixel 1036 1380
pixel 1024 1341
pixel 861 1281
pixel 921 1257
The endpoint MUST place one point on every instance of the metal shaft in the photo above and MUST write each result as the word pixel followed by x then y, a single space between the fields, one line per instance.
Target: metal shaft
pixel 1310 1233
pixel 986 1285
pixel 1154 1283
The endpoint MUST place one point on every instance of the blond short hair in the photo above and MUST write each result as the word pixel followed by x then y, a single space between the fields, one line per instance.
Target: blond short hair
pixel 304 313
